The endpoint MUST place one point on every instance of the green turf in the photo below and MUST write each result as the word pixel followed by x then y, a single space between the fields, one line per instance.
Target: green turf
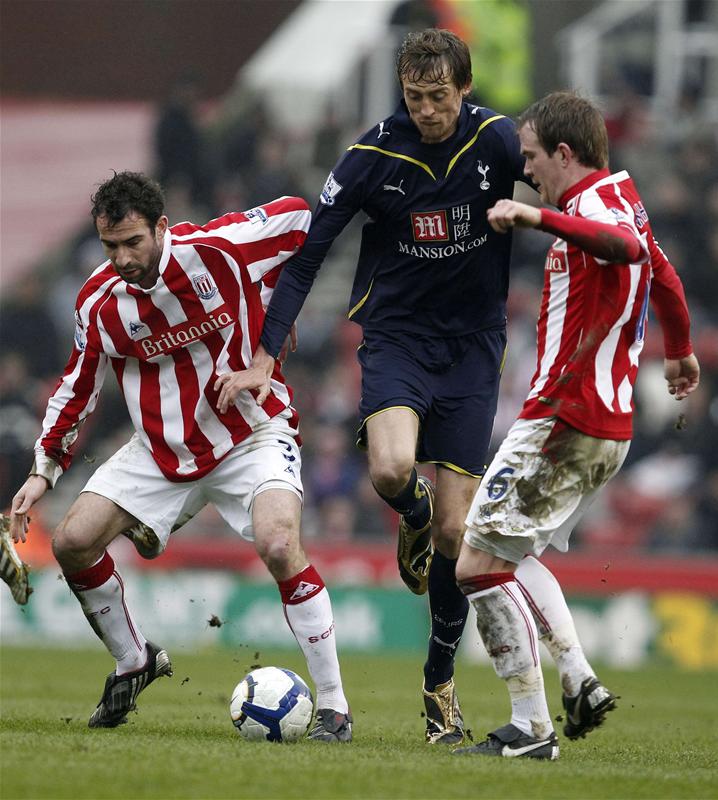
pixel 661 743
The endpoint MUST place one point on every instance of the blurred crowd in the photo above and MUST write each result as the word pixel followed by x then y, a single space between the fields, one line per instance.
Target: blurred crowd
pixel 665 498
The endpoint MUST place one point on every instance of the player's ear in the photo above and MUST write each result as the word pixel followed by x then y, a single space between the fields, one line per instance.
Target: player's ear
pixel 565 152
pixel 161 227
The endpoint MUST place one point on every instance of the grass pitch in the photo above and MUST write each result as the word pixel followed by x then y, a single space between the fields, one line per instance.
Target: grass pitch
pixel 660 743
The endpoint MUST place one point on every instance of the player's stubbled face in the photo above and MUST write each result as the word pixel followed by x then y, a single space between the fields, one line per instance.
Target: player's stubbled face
pixel 133 247
pixel 434 107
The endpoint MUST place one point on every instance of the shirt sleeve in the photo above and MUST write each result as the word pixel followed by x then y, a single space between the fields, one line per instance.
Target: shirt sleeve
pixel 341 198
pixel 73 400
pixel 609 242
pixel 261 239
pixel 669 303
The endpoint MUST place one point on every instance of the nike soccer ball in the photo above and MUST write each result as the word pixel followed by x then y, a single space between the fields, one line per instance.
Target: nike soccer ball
pixel 273 704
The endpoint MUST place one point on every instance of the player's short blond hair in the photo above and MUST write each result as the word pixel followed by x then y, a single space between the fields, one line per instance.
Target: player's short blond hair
pixel 567 117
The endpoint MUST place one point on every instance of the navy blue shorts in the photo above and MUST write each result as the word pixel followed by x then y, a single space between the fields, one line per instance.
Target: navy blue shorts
pixel 451 384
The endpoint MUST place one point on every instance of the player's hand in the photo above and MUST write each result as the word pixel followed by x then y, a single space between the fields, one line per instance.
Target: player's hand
pixel 507 214
pixel 231 384
pixel 290 344
pixel 29 493
pixel 682 374
pixel 257 377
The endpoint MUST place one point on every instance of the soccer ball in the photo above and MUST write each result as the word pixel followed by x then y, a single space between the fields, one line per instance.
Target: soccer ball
pixel 272 703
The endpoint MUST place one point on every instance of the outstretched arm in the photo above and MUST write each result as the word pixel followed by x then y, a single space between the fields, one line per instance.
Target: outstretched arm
pixel 612 243
pixel 340 200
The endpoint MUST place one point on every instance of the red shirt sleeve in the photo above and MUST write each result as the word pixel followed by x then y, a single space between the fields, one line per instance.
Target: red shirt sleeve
pixel 613 243
pixel 669 302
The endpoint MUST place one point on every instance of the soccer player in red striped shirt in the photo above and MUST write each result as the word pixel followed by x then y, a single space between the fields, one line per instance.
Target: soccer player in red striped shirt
pixel 176 313
pixel 574 430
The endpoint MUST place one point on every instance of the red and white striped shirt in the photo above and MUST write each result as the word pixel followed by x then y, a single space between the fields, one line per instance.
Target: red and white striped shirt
pixel 593 315
pixel 168 344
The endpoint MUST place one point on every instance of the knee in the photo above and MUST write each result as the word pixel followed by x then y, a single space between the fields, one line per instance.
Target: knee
pixel 276 554
pixel 447 533
pixel 71 545
pixel 473 563
pixel 390 476
pixel 463 568
pixel 279 549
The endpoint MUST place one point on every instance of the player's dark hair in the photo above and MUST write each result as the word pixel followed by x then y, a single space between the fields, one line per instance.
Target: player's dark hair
pixel 434 55
pixel 567 117
pixel 126 192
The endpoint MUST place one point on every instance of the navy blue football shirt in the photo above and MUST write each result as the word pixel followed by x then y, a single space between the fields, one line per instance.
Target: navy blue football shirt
pixel 429 262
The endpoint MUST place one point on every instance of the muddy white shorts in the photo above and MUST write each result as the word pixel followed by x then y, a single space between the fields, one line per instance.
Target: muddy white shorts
pixel 542 479
pixel 268 459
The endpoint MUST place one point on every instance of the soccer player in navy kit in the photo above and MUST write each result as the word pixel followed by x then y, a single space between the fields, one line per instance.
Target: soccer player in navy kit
pixel 430 294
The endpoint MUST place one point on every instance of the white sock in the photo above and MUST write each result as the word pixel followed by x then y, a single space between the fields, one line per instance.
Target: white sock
pixel 555 623
pixel 101 593
pixel 308 611
pixel 509 633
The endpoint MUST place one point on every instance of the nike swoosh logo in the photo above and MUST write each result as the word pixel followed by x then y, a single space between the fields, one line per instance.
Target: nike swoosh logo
pixel 512 752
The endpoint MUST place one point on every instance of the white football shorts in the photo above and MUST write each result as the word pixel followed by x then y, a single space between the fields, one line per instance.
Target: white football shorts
pixel 268 459
pixel 542 479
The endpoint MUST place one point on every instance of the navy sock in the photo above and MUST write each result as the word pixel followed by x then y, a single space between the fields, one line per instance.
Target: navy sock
pixel 449 611
pixel 415 509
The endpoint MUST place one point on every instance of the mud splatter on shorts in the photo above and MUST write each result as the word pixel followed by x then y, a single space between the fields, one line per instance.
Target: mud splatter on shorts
pixel 541 481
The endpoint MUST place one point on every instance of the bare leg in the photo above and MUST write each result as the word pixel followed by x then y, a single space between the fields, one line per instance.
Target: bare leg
pixel 391 439
pixel 89 526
